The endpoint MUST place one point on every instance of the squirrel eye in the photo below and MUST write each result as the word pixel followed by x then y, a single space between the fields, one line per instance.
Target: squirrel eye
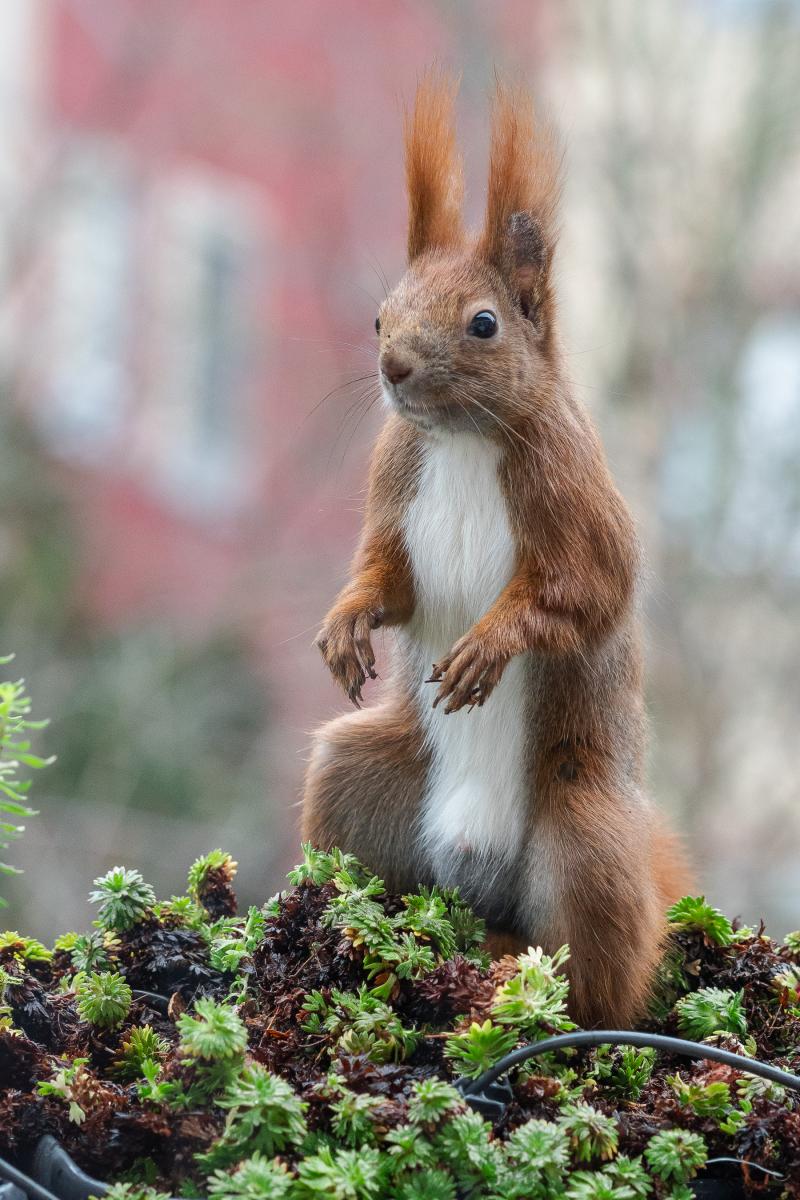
pixel 377 324
pixel 483 325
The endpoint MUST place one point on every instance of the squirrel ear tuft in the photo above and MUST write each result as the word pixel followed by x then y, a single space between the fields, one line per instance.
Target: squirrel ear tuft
pixel 433 167
pixel 520 232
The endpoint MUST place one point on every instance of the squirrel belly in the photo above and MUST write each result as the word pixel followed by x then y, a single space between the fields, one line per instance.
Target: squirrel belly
pixel 462 554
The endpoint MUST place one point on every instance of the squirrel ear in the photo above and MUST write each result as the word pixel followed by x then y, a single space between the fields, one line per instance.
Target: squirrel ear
pixel 519 235
pixel 433 167
pixel 528 261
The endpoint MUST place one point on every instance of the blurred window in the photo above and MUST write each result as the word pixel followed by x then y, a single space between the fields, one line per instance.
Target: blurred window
pixel 84 336
pixel 205 256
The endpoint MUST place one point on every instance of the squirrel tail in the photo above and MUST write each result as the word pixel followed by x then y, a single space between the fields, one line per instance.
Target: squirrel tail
pixel 673 874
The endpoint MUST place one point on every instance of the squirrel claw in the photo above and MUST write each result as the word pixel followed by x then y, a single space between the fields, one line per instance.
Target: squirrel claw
pixel 344 643
pixel 466 676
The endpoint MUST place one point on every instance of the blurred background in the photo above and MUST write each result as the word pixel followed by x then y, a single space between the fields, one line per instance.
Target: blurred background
pixel 198 204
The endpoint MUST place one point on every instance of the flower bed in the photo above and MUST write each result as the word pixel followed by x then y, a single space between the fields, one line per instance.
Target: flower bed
pixel 310 1048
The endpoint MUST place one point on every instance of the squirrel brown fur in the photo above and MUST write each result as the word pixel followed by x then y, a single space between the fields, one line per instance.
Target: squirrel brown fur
pixel 505 754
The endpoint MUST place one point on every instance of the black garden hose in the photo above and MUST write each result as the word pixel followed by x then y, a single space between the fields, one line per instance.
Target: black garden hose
pixel 489 1096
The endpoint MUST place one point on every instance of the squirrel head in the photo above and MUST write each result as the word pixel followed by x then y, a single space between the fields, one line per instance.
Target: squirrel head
pixel 468 333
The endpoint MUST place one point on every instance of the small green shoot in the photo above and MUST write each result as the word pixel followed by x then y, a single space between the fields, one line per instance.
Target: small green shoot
pixel 103 998
pixel 693 912
pixel 711 1010
pixel 123 898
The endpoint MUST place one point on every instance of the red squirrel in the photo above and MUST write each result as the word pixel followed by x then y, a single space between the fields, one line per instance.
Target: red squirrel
pixel 505 754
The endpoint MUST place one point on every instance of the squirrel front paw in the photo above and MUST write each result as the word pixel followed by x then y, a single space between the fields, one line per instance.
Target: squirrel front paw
pixel 344 642
pixel 467 675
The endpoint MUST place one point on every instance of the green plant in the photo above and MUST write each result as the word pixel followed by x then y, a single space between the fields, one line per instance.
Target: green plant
pixel 706 1100
pixel 670 983
pixel 392 951
pixel 692 912
pixel 408 1148
pixel 215 860
pixel 231 940
pixel 711 1010
pixel 103 998
pixel 153 1089
pixel 24 949
pixel 480 1046
pixel 213 1040
pixel 630 1173
pixel 183 909
pixel 792 942
pixel 753 1088
pixel 256 1178
pixel 361 1023
pixel 68 1084
pixel 594 1185
pixel 319 866
pixel 713 1101
pixel 89 951
pixel 213 1032
pixel 430 1184
pixel 787 985
pixel 427 915
pixel 535 999
pixel 352 1115
pixel 469 930
pixel 676 1155
pixel 591 1133
pixel 432 925
pixel 463 1145
pixel 15 752
pixel 432 1099
pixel 264 1115
pixel 142 1045
pixel 123 898
pixel 6 1016
pixel 537 1155
pixel 342 1174
pixel 133 1191
pixel 626 1070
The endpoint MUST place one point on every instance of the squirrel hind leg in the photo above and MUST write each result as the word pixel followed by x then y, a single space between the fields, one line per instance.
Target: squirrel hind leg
pixel 364 788
pixel 604 899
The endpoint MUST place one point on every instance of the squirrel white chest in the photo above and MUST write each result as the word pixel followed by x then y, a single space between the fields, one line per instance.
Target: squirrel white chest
pixel 462 553
pixel 458 535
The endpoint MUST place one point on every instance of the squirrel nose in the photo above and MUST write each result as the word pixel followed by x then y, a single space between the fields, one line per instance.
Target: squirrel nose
pixel 395 369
